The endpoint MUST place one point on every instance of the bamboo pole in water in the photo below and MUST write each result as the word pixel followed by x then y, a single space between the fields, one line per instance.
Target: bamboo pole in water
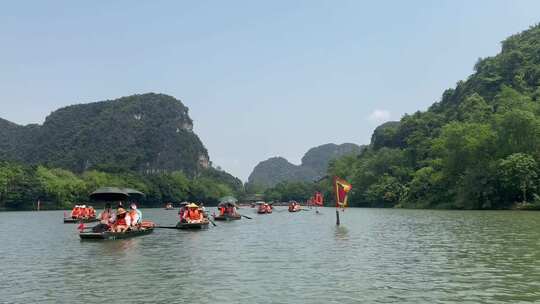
pixel 337 217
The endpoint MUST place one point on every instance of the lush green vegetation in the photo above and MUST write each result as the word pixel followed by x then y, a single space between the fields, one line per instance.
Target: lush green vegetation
pixel 141 141
pixel 22 186
pixel 478 148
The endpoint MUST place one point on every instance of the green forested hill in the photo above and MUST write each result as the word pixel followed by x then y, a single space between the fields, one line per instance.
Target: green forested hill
pixel 477 148
pixel 141 141
pixel 144 133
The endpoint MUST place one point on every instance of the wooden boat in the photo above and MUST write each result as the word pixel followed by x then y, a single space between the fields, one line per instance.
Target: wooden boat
pixel 229 208
pixel 193 226
pixel 227 217
pixel 70 220
pixel 264 208
pixel 294 207
pixel 108 235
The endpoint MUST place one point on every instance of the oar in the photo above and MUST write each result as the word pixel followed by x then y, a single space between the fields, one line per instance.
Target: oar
pixel 212 222
pixel 246 216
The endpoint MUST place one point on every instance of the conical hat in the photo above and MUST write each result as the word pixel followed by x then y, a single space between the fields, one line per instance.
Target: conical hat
pixel 192 205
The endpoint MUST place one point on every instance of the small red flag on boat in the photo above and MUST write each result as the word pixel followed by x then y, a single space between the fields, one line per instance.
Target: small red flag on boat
pixel 342 188
pixel 318 199
pixel 81 226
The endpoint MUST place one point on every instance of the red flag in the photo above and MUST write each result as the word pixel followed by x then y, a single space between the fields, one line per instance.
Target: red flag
pixel 342 188
pixel 318 201
pixel 81 226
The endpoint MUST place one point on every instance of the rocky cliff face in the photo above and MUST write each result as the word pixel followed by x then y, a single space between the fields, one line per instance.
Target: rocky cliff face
pixel 147 133
pixel 314 164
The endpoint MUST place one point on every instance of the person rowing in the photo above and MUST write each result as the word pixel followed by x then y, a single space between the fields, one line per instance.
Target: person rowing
pixel 106 218
pixel 106 215
pixel 182 211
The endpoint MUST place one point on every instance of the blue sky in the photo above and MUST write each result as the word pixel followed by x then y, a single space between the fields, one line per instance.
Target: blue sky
pixel 261 78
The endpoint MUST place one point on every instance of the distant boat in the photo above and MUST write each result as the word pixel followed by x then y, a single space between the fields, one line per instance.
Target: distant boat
pixel 81 213
pixel 264 208
pixel 227 211
pixel 169 206
pixel 294 207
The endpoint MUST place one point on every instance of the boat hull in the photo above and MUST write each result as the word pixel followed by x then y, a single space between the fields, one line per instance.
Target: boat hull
pixel 107 235
pixel 73 221
pixel 227 217
pixel 192 226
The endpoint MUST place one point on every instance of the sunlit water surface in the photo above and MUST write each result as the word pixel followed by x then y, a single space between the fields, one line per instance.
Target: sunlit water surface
pixel 375 256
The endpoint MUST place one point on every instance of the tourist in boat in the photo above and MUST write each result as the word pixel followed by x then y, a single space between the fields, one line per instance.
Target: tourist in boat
pixel 75 213
pixel 92 212
pixel 135 215
pixel 182 212
pixel 193 214
pixel 221 210
pixel 123 221
pixel 83 212
pixel 104 219
pixel 106 215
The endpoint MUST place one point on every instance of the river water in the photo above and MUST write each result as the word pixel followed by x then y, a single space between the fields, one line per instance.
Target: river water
pixel 375 256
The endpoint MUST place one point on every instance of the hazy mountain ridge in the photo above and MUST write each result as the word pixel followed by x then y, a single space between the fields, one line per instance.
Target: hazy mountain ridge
pixel 314 164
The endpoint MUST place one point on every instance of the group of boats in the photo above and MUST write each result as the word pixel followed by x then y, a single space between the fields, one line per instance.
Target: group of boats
pixel 81 213
pixel 191 216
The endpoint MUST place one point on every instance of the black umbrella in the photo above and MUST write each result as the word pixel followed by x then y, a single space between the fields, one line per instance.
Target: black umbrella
pixel 109 194
pixel 135 194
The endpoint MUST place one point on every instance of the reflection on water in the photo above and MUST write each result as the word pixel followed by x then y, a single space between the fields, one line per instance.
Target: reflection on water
pixel 375 256
pixel 341 232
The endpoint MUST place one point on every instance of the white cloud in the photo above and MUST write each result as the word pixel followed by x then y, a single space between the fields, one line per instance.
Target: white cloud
pixel 379 116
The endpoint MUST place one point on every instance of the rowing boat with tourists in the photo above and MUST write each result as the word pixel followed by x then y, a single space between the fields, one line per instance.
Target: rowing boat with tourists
pixel 118 223
pixel 81 213
pixel 227 209
pixel 294 206
pixel 192 216
pixel 264 208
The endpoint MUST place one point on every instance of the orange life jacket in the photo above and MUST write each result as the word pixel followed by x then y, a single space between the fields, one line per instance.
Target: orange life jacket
pixel 194 214
pixel 76 212
pixel 121 220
